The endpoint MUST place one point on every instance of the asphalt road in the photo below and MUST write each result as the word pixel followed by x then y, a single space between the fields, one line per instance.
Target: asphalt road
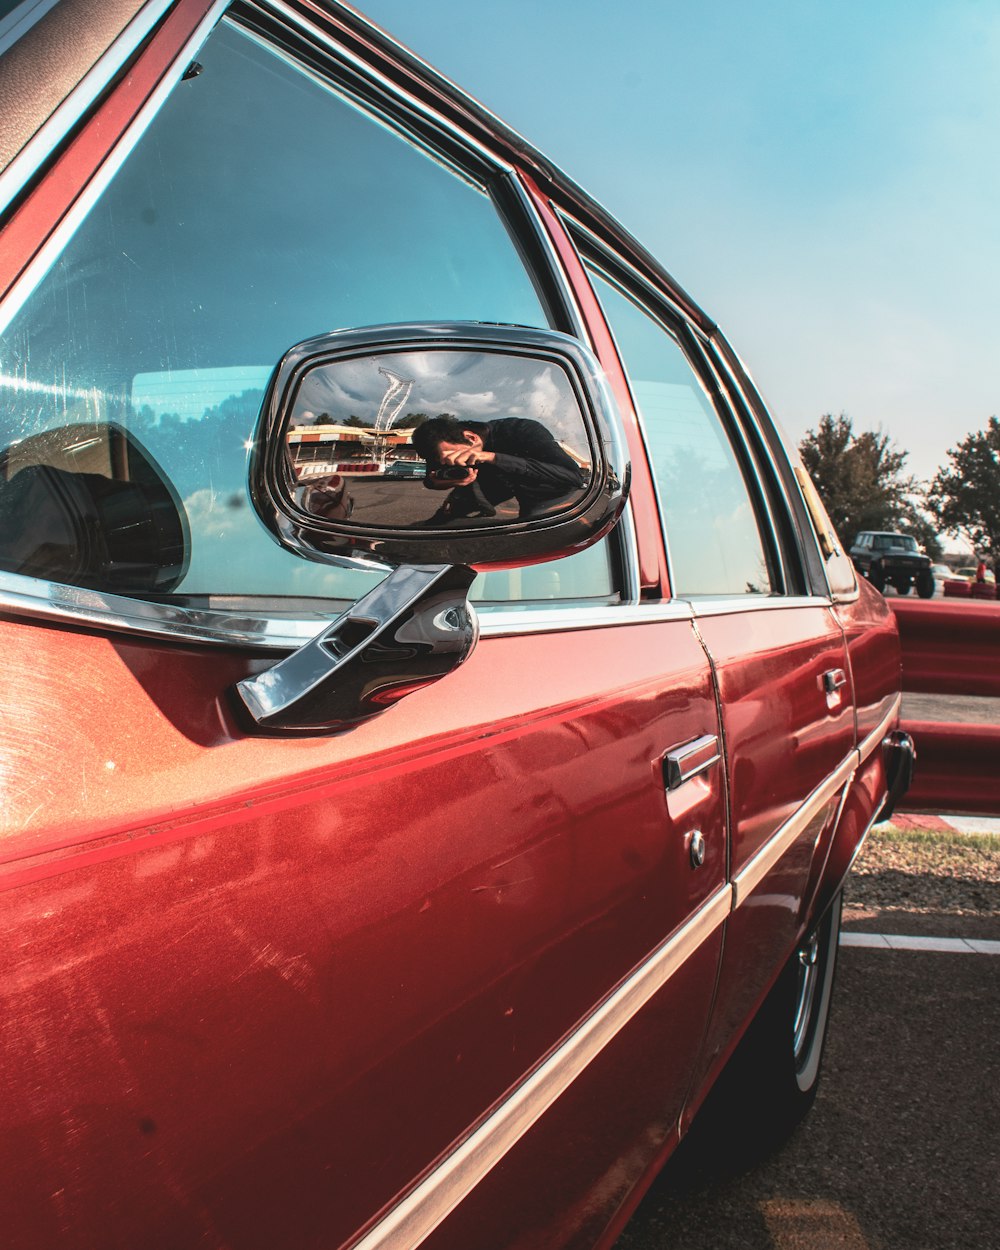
pixel 902 1148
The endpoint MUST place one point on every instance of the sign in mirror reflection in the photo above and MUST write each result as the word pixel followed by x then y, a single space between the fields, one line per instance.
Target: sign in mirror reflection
pixel 437 438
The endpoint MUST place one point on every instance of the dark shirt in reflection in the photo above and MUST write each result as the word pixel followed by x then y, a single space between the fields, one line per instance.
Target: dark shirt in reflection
pixel 529 466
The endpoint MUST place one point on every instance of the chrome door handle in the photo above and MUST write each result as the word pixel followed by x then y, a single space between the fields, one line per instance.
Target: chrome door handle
pixel 683 762
pixel 833 680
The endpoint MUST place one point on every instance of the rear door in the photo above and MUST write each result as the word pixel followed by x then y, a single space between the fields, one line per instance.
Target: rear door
pixel 777 652
pixel 262 989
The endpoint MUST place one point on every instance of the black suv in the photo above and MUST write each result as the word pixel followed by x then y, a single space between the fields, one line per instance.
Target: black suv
pixel 893 559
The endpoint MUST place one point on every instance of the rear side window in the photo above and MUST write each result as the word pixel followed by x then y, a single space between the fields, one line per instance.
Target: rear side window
pixel 713 521
pixel 258 208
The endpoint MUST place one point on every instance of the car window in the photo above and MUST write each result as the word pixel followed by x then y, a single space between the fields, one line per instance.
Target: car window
pixel 258 208
pixel 712 532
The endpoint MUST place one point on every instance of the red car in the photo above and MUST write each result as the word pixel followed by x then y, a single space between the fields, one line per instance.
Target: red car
pixel 402 874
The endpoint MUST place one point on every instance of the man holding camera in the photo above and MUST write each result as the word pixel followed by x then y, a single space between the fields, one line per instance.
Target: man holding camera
pixel 486 463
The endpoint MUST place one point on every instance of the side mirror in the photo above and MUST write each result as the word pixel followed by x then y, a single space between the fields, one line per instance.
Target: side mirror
pixel 435 450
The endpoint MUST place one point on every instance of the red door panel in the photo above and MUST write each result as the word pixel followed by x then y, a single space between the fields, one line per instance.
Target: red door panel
pixel 261 985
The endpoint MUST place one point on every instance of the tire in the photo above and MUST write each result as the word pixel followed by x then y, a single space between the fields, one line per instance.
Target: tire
pixel 925 584
pixel 772 1079
pixel 876 576
pixel 902 585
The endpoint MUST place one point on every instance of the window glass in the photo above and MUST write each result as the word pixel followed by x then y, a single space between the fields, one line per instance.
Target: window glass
pixel 712 533
pixel 259 208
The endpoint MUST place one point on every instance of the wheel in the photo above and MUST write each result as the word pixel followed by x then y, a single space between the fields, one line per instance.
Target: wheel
pixel 876 576
pixel 925 584
pixel 772 1078
pixel 902 585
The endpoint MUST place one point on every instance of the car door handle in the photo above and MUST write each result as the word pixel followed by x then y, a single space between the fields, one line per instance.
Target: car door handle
pixel 833 680
pixel 683 762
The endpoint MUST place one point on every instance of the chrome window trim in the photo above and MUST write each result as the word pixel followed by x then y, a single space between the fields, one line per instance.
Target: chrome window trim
pixel 74 605
pixel 505 623
pixel 725 605
pixel 628 549
pixel 414 1218
pixel 21 19
pixel 291 17
pixel 67 115
pixel 49 252
pixel 752 457
pixel 739 400
pixel 553 266
pixel 754 871
pixel 602 247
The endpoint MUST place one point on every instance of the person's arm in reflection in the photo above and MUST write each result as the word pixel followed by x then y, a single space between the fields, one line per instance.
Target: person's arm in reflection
pixel 528 456
pixel 511 457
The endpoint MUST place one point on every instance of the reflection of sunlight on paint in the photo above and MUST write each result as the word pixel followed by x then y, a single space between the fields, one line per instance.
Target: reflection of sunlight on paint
pixel 811 1224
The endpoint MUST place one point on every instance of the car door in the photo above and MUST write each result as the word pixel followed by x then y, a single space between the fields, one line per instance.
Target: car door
pixel 777 651
pixel 277 992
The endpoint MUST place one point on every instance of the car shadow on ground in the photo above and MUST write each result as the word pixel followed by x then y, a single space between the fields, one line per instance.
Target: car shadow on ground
pixel 899 1151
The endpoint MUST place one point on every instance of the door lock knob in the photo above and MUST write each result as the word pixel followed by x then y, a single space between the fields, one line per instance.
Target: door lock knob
pixel 696 848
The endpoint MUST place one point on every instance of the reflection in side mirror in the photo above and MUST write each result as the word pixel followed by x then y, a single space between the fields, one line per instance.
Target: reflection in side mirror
pixel 456 444
pixel 495 439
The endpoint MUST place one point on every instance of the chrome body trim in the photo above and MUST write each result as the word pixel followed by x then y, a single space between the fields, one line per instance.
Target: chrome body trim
pixel 54 130
pixel 754 871
pixel 864 837
pixel 873 740
pixel 49 252
pixel 414 1218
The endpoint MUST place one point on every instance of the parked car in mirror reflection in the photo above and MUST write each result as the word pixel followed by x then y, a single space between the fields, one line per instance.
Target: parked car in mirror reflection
pixel 386 865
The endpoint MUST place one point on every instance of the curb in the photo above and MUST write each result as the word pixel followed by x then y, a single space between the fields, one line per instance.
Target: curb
pixel 945 824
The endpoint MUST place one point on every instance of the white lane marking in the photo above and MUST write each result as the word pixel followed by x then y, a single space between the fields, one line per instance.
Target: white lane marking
pixel 897 942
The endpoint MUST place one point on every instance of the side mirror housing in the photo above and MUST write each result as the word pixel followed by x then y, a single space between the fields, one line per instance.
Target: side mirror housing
pixel 433 450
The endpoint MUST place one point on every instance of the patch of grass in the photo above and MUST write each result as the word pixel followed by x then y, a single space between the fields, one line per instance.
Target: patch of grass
pixel 890 833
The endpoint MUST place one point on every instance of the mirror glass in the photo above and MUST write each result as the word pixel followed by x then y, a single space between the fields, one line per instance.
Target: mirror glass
pixel 435 438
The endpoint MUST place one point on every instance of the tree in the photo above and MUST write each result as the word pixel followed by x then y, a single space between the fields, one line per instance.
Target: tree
pixel 861 481
pixel 965 495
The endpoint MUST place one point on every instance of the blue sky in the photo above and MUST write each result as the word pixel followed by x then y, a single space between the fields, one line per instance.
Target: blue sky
pixel 823 178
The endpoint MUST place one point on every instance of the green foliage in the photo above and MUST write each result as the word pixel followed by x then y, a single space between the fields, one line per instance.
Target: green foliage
pixel 861 481
pixel 965 495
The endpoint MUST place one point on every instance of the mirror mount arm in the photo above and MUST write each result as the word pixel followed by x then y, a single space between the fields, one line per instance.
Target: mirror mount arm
pixel 411 630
